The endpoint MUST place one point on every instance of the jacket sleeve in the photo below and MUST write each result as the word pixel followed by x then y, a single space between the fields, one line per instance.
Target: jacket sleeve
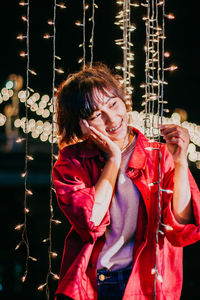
pixel 181 234
pixel 76 199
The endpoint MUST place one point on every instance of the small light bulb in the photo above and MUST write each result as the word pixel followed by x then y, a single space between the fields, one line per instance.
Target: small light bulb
pixel 50 22
pixel 22 54
pixel 21 36
pixel 60 70
pixel 170 16
pixel 18 227
pixel 40 287
pixel 78 23
pixel 23 278
pixel 29 157
pixel 153 271
pixel 61 5
pixel 32 258
pixel 55 276
pixel 166 54
pixel 29 192
pixel 47 36
pixel 22 3
pixel 32 72
pixel 54 254
pixel 24 19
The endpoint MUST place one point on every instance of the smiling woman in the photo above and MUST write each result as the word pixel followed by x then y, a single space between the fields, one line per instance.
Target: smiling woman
pixel 106 184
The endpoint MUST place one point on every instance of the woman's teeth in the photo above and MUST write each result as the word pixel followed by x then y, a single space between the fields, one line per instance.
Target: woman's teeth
pixel 114 128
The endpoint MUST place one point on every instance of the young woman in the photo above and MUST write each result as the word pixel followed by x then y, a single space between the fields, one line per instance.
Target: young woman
pixel 106 180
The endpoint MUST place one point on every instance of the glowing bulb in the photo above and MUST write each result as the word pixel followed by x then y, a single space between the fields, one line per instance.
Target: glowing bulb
pixel 78 23
pixel 18 227
pixel 29 192
pixel 47 36
pixel 170 16
pixel 23 278
pixel 24 19
pixel 159 277
pixel 54 254
pixel 22 54
pixel 32 258
pixel 19 140
pixel 56 221
pixel 172 68
pixel 153 271
pixel 166 54
pixel 21 36
pixel 32 72
pixel 40 287
pixel 50 22
pixel 29 157
pixel 61 5
pixel 59 70
pixel 22 3
pixel 168 227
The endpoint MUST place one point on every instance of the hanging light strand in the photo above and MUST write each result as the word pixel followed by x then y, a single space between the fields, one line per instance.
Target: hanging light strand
pixel 84 29
pixel 51 210
pixel 27 192
pixel 92 33
pixel 154 94
pixel 123 20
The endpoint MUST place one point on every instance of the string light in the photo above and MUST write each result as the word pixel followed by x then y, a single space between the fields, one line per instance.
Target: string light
pixel 92 33
pixel 47 132
pixel 154 99
pixel 123 20
pixel 27 192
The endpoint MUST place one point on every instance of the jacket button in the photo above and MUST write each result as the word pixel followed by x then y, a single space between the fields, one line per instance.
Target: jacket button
pixel 102 277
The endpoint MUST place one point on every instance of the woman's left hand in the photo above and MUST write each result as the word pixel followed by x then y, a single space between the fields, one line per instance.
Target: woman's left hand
pixel 177 140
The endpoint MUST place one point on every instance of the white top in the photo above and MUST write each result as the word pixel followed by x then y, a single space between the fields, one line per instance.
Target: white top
pixel 120 234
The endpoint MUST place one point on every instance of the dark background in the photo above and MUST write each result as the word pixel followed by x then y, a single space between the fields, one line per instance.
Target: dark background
pixel 182 92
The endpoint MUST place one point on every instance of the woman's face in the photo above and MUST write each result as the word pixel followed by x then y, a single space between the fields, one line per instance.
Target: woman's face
pixel 110 118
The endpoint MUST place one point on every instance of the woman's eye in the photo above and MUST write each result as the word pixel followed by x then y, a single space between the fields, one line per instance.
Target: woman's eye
pixel 113 104
pixel 96 115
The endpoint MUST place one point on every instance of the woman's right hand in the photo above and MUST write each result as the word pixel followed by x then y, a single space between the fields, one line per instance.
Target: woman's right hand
pixel 103 142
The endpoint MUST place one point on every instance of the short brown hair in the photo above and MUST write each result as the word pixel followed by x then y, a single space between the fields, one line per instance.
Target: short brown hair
pixel 75 98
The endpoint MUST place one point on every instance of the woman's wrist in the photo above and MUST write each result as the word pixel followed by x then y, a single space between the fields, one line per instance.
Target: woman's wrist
pixel 116 159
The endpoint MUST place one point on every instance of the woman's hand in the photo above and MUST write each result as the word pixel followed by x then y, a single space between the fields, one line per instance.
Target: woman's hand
pixel 103 142
pixel 177 140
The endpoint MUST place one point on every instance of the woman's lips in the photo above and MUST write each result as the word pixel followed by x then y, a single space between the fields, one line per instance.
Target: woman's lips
pixel 114 129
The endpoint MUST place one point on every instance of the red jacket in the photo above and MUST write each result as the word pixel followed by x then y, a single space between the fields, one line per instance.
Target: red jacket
pixel 75 174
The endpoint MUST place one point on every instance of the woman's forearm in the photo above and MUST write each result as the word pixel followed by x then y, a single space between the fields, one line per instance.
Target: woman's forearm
pixel 182 208
pixel 104 189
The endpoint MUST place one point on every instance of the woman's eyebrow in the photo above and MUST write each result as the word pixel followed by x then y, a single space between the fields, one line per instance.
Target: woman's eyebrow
pixel 111 97
pixel 104 102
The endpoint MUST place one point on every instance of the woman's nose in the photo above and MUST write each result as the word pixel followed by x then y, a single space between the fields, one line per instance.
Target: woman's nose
pixel 109 117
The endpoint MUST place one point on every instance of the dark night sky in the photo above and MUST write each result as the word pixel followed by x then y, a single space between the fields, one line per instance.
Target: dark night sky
pixel 183 42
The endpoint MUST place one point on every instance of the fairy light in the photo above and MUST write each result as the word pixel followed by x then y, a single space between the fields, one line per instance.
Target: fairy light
pixel 123 20
pixel 27 192
pixel 154 99
pixel 46 130
pixel 61 5
pixel 92 33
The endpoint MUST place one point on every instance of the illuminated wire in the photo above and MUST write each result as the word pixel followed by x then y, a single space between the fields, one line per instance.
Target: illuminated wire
pixel 84 28
pixel 52 154
pixel 92 34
